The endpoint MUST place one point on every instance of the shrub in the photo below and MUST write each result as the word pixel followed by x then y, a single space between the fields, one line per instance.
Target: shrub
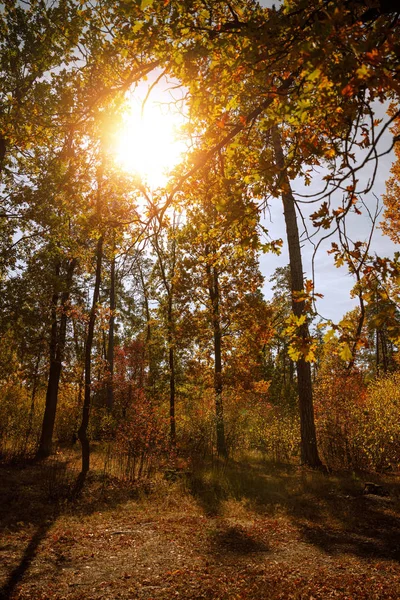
pixel 279 433
pixel 141 442
pixel 20 423
pixel 379 425
pixel 358 425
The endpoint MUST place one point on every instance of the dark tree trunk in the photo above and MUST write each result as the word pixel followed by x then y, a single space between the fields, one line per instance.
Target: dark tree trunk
pixel 79 352
pixel 213 287
pixel 172 396
pixel 33 399
pixel 110 348
pixel 284 354
pixel 57 345
pixel 82 432
pixel 147 353
pixel 171 361
pixel 309 450
pixel 291 372
pixel 377 353
pixel 384 350
pixel 169 288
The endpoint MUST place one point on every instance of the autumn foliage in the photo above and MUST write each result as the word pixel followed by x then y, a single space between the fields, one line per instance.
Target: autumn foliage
pixel 135 318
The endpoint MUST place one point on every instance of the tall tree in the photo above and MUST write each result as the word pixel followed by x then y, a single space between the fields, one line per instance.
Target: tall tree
pixel 166 254
pixel 59 305
pixel 309 449
pixel 219 243
pixel 99 233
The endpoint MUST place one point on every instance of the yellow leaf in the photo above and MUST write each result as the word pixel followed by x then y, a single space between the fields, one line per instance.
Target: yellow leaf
pixel 294 353
pixel 316 74
pixel 137 26
pixel 330 334
pixel 345 351
pixel 362 72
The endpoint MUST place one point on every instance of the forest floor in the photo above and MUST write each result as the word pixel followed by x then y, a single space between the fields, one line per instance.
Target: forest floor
pixel 246 530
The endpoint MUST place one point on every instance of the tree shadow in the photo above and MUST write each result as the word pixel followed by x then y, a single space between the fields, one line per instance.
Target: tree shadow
pixel 34 496
pixel 331 512
pixel 19 571
pixel 235 540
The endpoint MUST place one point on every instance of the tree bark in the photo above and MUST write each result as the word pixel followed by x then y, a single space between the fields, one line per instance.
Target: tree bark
pixel 167 280
pixel 147 351
pixel 110 347
pixel 377 353
pixel 309 450
pixel 33 399
pixel 57 346
pixel 82 432
pixel 213 287
pixel 171 361
pixel 385 363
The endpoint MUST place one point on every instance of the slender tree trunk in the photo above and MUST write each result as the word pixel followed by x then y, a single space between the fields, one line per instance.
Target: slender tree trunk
pixel 110 348
pixel 384 350
pixel 33 399
pixel 171 361
pixel 82 433
pixel 213 287
pixel 309 450
pixel 291 371
pixel 284 365
pixel 167 280
pixel 377 353
pixel 147 345
pixel 57 345
pixel 79 352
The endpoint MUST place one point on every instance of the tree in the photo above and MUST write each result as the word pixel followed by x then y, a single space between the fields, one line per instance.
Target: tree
pixel 166 255
pixel 391 217
pixel 309 450
pixel 260 68
pixel 280 367
pixel 219 242
pixel 59 304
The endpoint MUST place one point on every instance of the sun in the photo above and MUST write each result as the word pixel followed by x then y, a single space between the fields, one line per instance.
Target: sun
pixel 147 144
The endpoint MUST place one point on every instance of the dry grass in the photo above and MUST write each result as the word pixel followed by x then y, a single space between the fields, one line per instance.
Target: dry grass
pixel 232 531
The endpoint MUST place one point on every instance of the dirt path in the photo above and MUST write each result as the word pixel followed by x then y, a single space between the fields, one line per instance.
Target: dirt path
pixel 300 537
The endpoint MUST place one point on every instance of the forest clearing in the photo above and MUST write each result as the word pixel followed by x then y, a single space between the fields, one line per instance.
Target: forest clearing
pixel 199 299
pixel 240 531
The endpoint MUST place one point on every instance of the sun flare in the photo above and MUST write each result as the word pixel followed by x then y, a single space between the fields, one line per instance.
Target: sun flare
pixel 147 144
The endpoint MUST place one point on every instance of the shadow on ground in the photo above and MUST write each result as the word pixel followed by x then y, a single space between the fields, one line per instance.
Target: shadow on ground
pixel 34 496
pixel 235 540
pixel 330 512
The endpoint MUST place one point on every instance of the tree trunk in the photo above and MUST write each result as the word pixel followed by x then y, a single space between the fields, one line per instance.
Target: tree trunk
pixel 82 432
pixel 309 450
pixel 110 348
pixel 147 345
pixel 213 287
pixel 385 362
pixel 171 361
pixel 57 345
pixel 167 280
pixel 33 398
pixel 377 353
